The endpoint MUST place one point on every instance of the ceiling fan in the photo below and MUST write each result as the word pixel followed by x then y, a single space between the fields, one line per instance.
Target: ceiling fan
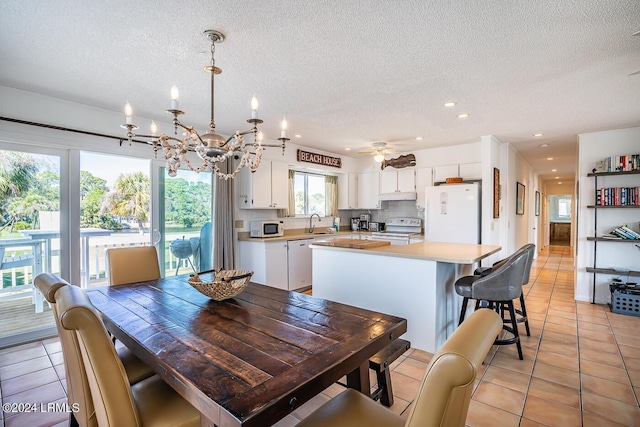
pixel 378 151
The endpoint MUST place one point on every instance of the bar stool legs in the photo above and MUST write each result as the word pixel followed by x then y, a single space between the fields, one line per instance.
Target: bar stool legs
pixel 523 315
pixel 512 328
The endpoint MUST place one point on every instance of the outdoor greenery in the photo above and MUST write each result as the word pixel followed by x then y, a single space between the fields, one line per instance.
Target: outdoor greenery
pixel 31 183
pixel 187 203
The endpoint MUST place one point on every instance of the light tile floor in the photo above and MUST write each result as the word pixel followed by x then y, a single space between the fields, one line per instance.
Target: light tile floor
pixel 581 367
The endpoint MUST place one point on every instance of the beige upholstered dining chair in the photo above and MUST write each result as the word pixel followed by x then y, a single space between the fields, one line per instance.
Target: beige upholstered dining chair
pixel 77 384
pixel 150 402
pixel 133 264
pixel 444 395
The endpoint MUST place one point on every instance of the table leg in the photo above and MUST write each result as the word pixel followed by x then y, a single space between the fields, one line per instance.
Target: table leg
pixel 358 379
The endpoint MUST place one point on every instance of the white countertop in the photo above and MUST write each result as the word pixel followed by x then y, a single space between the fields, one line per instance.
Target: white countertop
pixel 459 253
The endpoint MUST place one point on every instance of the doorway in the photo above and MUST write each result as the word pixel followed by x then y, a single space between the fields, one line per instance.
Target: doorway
pixel 560 219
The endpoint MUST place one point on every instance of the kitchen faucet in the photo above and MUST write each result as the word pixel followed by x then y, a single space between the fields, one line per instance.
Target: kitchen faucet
pixel 311 226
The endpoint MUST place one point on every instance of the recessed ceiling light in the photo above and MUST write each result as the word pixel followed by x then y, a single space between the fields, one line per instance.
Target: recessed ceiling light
pixel 419 138
pixel 554 170
pixel 347 149
pixel 297 135
pixel 449 104
pixel 544 145
pixel 538 134
pixel 549 158
pixel 557 177
pixel 559 182
pixel 463 115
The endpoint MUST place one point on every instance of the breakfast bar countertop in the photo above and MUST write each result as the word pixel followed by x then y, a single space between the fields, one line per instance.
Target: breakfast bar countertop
pixel 458 253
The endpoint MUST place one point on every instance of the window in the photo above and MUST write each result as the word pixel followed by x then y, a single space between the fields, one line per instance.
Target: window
pixel 309 191
pixel 560 208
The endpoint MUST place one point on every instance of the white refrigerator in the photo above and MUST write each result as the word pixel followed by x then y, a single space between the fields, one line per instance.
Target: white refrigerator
pixel 453 213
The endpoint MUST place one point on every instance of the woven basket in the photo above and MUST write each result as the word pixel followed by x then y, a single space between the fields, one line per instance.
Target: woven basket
pixel 226 284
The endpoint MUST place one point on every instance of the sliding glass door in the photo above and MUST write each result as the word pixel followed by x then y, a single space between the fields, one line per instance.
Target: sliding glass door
pixel 30 199
pixel 115 210
pixel 185 232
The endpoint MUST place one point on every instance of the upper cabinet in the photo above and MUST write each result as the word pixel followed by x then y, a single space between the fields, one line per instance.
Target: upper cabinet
pixel 368 190
pixel 397 181
pixel 424 179
pixel 466 171
pixel 266 188
pixel 347 191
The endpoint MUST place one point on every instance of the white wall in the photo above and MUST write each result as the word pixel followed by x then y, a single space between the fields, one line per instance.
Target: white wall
pixel 593 147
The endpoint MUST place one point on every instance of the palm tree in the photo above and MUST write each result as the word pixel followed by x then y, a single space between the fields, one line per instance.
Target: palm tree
pixel 17 176
pixel 131 197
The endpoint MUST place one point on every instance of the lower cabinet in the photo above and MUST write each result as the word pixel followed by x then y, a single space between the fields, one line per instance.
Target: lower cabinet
pixel 281 264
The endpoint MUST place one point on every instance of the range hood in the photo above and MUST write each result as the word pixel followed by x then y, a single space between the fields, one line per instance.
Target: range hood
pixel 398 196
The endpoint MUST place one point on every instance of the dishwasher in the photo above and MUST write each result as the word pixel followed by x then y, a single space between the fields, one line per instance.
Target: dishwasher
pixel 299 262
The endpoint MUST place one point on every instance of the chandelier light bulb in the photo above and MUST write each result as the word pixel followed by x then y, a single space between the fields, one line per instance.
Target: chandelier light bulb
pixel 128 113
pixel 154 128
pixel 260 137
pixel 254 107
pixel 379 157
pixel 283 124
pixel 174 97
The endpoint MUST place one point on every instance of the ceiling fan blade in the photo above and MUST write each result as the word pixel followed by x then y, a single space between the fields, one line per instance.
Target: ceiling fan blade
pixel 633 74
pixel 365 152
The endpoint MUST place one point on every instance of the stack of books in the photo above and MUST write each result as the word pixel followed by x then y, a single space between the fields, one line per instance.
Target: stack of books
pixel 624 232
pixel 627 162
pixel 618 196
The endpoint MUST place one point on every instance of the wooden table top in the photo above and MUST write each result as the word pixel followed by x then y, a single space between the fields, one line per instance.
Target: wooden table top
pixel 250 360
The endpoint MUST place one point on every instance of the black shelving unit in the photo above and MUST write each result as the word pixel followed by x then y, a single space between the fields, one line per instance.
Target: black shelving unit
pixel 595 239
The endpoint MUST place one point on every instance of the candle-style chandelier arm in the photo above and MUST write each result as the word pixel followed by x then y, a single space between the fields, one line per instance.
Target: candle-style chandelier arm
pixel 211 147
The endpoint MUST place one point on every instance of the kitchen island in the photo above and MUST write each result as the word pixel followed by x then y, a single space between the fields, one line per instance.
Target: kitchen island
pixel 415 282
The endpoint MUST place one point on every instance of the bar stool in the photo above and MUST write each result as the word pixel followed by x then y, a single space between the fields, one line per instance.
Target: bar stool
pixel 499 288
pixel 522 311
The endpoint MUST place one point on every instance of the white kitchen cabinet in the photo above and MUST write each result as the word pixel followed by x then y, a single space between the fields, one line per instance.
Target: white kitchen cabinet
pixel 347 191
pixel 299 262
pixel 267 260
pixel 424 179
pixel 441 173
pixel 469 171
pixel 397 181
pixel 368 190
pixel 266 188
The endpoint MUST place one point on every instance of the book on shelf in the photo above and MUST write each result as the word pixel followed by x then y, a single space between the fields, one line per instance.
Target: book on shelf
pixel 624 163
pixel 630 231
pixel 611 236
pixel 619 231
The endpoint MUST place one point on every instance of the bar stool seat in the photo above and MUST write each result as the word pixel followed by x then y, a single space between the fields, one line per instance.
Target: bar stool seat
pixel 499 288
pixel 522 311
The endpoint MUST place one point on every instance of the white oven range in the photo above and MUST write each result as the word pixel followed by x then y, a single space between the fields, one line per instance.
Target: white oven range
pixel 400 231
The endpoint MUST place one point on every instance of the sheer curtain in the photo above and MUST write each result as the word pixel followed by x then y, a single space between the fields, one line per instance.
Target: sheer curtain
pixel 292 194
pixel 223 220
pixel 331 195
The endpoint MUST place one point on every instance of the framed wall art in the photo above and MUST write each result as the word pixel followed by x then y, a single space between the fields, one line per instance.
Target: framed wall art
pixel 520 199
pixel 496 193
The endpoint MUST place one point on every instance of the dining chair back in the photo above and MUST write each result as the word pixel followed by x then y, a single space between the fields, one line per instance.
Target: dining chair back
pixel 445 392
pixel 132 264
pixel 150 402
pixel 78 392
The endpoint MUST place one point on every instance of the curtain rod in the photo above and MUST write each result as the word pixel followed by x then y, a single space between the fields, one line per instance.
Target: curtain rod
pixel 83 132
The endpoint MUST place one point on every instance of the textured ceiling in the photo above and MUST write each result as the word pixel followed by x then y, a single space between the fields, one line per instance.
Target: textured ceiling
pixel 345 73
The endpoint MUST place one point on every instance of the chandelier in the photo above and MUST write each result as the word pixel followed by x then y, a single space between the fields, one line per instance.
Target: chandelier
pixel 212 148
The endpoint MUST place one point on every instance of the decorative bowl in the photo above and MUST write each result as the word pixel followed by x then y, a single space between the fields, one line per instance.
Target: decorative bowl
pixel 225 284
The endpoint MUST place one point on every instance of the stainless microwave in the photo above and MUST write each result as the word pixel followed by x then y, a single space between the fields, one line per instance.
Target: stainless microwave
pixel 267 229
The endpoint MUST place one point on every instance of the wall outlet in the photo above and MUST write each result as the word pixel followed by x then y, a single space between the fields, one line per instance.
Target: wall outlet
pixel 239 223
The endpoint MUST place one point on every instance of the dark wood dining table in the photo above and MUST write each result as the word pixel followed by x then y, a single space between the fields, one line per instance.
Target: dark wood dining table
pixel 249 360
